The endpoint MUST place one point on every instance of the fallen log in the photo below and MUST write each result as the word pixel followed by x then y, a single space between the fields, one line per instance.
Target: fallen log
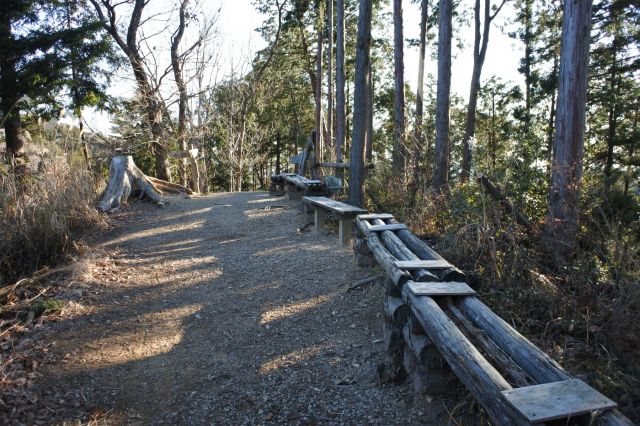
pixel 126 179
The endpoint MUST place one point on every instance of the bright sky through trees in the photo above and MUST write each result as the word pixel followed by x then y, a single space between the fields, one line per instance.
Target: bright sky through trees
pixel 238 41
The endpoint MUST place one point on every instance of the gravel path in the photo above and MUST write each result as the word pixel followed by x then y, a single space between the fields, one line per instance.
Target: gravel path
pixel 224 310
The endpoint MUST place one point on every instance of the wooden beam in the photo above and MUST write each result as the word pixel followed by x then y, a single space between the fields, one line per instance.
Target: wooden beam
pixel 423 264
pixel 440 289
pixel 393 227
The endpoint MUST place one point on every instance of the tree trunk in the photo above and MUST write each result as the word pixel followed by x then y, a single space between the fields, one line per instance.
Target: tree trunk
pixel 14 135
pixel 398 152
pixel 368 146
pixel 126 179
pixel 356 166
pixel 612 114
pixel 182 89
pixel 440 180
pixel 570 121
pixel 418 142
pixel 319 114
pixel 329 79
pixel 479 53
pixel 340 101
pixel 528 52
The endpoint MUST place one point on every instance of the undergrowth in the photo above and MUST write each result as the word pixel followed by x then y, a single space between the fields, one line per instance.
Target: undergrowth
pixel 43 214
pixel 582 311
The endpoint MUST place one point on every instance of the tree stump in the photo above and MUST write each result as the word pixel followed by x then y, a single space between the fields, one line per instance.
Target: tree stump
pixel 126 179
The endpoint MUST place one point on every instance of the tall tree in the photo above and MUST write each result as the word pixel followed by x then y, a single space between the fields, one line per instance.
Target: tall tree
pixel 481 41
pixel 50 52
pixel 570 120
pixel 398 152
pixel 363 45
pixel 319 114
pixel 418 143
pixel 340 81
pixel 154 105
pixel 441 170
pixel 176 64
pixel 330 76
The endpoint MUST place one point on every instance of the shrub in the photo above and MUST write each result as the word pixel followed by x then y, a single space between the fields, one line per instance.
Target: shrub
pixel 43 214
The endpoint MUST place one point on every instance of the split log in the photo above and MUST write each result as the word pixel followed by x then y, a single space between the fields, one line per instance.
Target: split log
pixel 396 310
pixel 497 195
pixel 398 249
pixel 424 252
pixel 126 179
pixel 385 260
pixel 482 379
pixel 537 364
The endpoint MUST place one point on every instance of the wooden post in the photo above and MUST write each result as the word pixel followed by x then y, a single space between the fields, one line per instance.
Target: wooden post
pixel 318 219
pixel 344 230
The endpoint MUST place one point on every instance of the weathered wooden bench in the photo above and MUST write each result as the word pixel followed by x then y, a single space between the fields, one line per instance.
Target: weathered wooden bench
pixel 345 213
pixel 435 324
pixel 295 186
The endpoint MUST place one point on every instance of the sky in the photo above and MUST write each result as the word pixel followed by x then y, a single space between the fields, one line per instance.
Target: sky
pixel 238 39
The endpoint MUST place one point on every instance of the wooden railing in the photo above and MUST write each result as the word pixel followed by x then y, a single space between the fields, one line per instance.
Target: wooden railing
pixel 435 325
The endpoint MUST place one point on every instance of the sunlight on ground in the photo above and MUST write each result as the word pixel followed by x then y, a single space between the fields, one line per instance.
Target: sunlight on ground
pixel 291 309
pixel 156 333
pixel 292 358
pixel 156 232
pixel 264 200
pixel 291 248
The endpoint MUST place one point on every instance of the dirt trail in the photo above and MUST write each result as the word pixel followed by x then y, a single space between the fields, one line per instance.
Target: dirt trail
pixel 218 310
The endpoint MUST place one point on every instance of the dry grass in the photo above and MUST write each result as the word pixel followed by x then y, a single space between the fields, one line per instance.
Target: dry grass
pixel 42 216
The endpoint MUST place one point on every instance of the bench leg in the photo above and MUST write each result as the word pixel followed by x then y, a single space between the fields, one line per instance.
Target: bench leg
pixel 318 219
pixel 308 208
pixel 344 231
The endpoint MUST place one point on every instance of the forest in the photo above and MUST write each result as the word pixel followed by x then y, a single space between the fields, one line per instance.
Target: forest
pixel 531 187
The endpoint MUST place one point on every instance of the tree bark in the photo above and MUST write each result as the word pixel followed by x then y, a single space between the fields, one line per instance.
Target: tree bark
pixel 479 53
pixel 398 153
pixel 14 135
pixel 329 78
pixel 570 121
pixel 340 100
pixel 440 180
pixel 319 114
pixel 368 146
pixel 418 142
pixel 356 167
pixel 176 65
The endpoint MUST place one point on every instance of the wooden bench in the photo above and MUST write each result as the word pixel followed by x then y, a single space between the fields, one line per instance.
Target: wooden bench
pixel 345 213
pixel 295 186
pixel 434 319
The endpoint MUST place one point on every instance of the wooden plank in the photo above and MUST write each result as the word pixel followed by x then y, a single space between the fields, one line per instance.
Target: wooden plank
pixel 558 400
pixel 440 289
pixel 423 264
pixel 372 216
pixel 392 227
pixel 333 205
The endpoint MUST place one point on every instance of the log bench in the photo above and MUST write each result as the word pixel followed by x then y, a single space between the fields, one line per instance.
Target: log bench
pixel 344 212
pixel 435 327
pixel 295 186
